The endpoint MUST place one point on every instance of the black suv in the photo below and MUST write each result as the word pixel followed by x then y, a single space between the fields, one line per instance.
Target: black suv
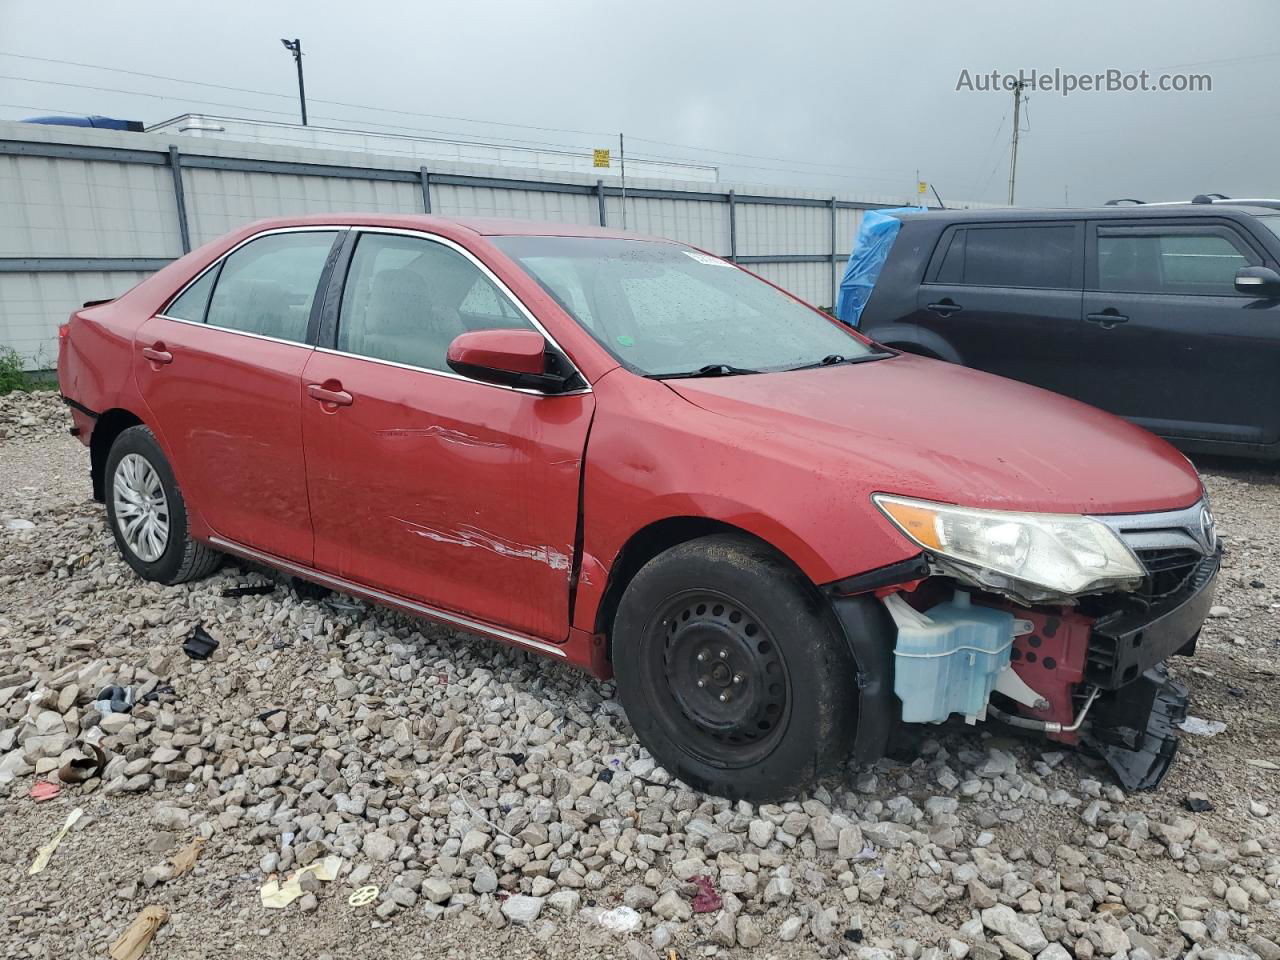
pixel 1166 314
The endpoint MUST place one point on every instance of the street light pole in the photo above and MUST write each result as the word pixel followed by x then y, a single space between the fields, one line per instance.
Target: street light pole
pixel 294 46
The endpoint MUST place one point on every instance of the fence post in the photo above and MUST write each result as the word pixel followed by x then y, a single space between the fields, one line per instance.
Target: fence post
pixel 835 277
pixel 179 197
pixel 604 217
pixel 424 177
pixel 733 228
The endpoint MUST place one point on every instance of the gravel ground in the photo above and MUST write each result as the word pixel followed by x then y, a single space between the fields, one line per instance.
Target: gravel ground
pixel 502 806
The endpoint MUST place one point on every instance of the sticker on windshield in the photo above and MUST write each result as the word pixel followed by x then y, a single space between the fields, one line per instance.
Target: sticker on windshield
pixel 703 258
pixel 626 341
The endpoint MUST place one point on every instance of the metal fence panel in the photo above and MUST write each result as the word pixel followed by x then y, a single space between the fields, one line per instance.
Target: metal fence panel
pixel 85 208
pixel 468 201
pixel 222 200
pixel 35 303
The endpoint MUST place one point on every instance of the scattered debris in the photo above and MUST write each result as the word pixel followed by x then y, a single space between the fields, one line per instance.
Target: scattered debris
pixel 184 861
pixel 46 852
pixel 1201 727
pixel 249 589
pixel 133 943
pixel 114 700
pixel 277 896
pixel 1198 803
pixel 363 896
pixel 706 900
pixel 17 523
pixel 199 644
pixel 44 790
pixel 621 920
pixel 82 768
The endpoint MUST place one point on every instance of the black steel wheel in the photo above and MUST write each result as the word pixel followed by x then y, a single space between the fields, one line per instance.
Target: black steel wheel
pixel 732 670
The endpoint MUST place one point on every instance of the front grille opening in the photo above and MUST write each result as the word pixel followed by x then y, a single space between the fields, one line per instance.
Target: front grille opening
pixel 1168 571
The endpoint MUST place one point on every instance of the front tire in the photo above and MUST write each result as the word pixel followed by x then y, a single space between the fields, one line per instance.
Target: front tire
pixel 732 670
pixel 147 514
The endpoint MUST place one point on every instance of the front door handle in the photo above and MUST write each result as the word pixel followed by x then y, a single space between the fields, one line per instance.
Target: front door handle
pixel 945 307
pixel 1108 318
pixel 157 354
pixel 333 395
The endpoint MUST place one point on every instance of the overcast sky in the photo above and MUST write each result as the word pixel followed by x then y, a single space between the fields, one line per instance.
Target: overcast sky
pixel 854 96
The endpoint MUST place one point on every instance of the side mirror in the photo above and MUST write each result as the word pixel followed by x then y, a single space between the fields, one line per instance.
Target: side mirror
pixel 513 358
pixel 1258 281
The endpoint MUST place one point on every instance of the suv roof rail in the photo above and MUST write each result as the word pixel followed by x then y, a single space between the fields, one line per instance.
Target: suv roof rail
pixel 1116 203
pixel 1209 197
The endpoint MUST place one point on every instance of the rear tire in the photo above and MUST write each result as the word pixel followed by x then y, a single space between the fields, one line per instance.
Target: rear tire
pixel 147 514
pixel 732 670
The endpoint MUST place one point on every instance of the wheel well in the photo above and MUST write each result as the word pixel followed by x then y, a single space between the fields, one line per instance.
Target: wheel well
pixel 914 348
pixel 646 544
pixel 108 426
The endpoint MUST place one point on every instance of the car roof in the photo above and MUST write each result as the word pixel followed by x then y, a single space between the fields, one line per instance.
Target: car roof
pixel 1135 211
pixel 481 226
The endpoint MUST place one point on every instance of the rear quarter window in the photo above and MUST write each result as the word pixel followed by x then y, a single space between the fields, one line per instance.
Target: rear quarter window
pixel 1038 256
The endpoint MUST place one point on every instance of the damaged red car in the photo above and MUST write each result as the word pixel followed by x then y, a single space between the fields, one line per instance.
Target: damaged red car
pixel 782 539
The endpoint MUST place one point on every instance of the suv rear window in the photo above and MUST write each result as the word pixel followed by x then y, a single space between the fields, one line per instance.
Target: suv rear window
pixel 1021 256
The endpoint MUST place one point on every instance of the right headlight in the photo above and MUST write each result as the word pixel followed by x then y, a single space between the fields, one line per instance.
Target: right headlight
pixel 1061 553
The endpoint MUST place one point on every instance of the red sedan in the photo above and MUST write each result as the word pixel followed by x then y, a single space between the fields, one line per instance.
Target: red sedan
pixel 622 452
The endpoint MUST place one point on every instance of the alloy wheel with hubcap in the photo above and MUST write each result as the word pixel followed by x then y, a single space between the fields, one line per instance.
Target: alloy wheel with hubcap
pixel 141 507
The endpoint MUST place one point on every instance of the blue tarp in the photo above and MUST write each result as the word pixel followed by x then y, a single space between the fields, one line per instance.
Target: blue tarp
pixel 870 250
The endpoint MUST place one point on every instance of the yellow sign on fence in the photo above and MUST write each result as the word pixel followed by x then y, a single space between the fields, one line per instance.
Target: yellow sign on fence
pixel 600 158
pixel 921 187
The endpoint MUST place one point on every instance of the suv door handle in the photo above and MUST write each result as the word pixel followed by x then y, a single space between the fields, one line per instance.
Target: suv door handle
pixel 338 397
pixel 945 307
pixel 157 354
pixel 1108 318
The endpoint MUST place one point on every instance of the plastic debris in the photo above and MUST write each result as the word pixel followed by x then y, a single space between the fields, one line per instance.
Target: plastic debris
pixel 706 900
pixel 363 896
pixel 17 523
pixel 249 589
pixel 184 861
pixel 277 896
pixel 621 920
pixel 82 768
pixel 1262 764
pixel 44 790
pixel 199 644
pixel 1201 727
pixel 114 700
pixel 45 853
pixel 137 936
pixel 1197 803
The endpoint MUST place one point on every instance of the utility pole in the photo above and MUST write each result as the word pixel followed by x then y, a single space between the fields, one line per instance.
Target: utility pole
pixel 1013 159
pixel 622 157
pixel 294 46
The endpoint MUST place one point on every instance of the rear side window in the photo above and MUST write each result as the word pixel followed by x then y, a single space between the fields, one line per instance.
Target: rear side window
pixel 407 298
pixel 267 286
pixel 1183 261
pixel 194 300
pixel 1018 256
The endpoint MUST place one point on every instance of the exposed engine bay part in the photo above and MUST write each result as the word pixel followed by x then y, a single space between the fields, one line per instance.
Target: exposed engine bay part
pixel 1134 729
pixel 950 658
pixel 1045 726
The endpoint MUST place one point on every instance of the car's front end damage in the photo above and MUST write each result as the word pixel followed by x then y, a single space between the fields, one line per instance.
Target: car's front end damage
pixel 1049 622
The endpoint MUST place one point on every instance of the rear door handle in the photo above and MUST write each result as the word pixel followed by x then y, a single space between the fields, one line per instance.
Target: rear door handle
pixel 1108 318
pixel 945 307
pixel 157 354
pixel 338 397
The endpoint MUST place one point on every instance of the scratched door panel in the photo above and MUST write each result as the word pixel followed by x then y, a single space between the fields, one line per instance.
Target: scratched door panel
pixel 459 494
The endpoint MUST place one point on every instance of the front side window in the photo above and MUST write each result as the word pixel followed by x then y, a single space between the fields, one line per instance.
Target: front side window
pixel 268 285
pixel 407 298
pixel 1183 262
pixel 662 309
pixel 1016 256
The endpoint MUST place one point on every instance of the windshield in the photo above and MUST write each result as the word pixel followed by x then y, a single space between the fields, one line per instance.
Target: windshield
pixel 1272 223
pixel 664 310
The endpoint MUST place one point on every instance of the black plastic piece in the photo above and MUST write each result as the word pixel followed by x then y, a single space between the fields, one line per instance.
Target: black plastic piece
pixel 870 633
pixel 904 571
pixel 199 644
pixel 249 590
pixel 1135 729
